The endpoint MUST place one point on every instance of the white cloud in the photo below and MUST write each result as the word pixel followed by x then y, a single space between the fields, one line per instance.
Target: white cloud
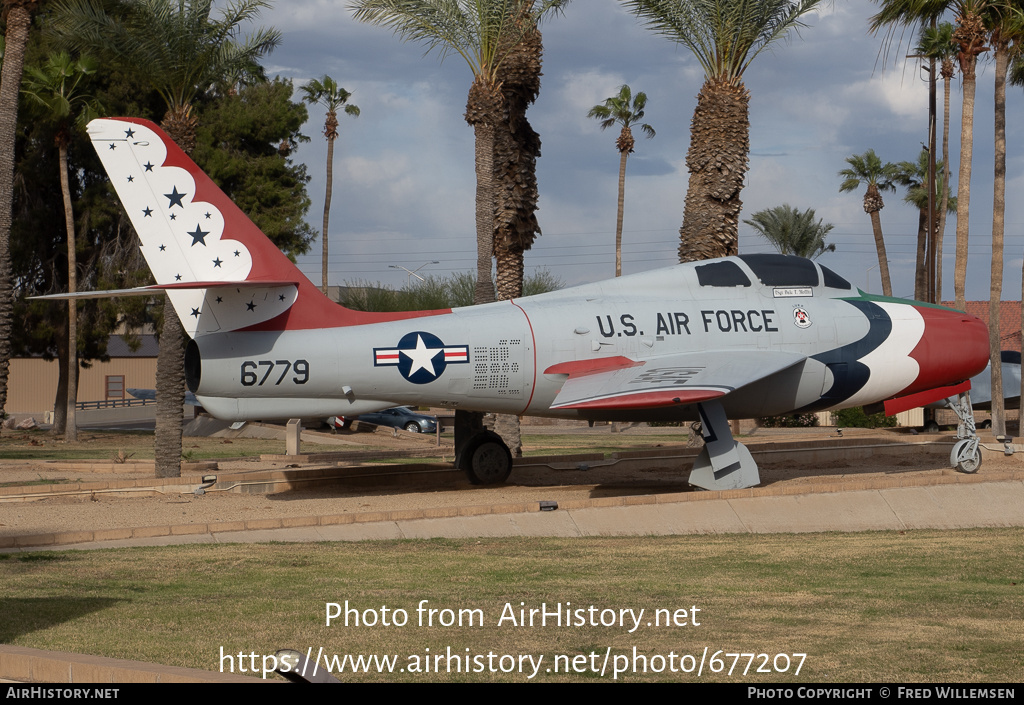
pixel 894 91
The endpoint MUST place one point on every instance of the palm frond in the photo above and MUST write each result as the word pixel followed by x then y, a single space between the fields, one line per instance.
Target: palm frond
pixel 482 32
pixel 624 109
pixel 175 45
pixel 723 35
pixel 791 231
pixel 868 169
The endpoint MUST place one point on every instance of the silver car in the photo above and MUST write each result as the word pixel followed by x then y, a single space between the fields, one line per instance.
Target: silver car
pixel 395 417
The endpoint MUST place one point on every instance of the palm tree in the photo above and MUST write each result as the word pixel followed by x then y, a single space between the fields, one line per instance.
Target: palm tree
pixel 1017 79
pixel 483 33
pixel 516 149
pixel 937 43
pixel 18 14
pixel 182 52
pixel 1007 31
pixel 619 110
pixel 54 86
pixel 914 176
pixel 969 35
pixel 325 91
pixel 725 36
pixel 927 12
pixel 868 169
pixel 792 232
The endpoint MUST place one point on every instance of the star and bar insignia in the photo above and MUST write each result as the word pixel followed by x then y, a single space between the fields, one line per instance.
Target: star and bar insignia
pixel 421 357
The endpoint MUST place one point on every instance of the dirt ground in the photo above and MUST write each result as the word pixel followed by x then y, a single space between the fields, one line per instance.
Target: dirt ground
pixel 102 511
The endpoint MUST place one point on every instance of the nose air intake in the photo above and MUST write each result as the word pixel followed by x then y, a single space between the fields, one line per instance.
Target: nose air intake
pixel 954 348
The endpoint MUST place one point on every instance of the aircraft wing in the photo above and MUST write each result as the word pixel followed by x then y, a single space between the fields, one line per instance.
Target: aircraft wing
pixel 686 378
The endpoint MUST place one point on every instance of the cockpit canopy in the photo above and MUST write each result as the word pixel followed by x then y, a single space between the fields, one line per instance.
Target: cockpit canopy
pixel 770 270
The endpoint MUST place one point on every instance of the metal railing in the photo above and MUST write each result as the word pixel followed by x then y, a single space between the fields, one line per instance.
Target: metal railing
pixel 113 403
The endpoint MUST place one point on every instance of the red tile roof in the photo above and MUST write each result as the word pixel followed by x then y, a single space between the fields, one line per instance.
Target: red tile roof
pixel 1009 320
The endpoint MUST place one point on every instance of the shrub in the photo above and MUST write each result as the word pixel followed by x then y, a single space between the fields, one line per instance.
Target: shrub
pixel 790 421
pixel 856 418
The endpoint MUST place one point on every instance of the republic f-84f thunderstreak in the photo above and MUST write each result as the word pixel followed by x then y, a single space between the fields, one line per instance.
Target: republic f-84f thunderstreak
pixel 740 337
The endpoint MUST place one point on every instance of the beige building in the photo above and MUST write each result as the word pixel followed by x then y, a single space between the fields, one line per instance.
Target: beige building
pixel 32 381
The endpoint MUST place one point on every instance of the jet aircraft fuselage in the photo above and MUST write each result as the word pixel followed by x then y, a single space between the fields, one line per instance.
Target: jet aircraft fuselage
pixel 689 333
pixel 747 336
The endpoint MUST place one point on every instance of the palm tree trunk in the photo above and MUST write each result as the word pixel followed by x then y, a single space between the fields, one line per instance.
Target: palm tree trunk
pixel 963 191
pixel 920 270
pixel 484 292
pixel 717 161
pixel 71 425
pixel 510 286
pixel 618 219
pixel 170 394
pixel 510 274
pixel 940 233
pixel 482 112
pixel 998 216
pixel 60 400
pixel 180 126
pixel 516 149
pixel 18 23
pixel 327 206
pixel 513 216
pixel 928 270
pixel 883 260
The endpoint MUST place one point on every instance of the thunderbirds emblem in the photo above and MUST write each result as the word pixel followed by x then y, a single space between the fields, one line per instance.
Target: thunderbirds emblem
pixel 801 318
pixel 421 357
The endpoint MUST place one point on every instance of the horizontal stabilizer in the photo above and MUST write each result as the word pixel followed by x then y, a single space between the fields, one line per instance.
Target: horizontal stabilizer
pixel 104 294
pixel 159 288
pixel 686 378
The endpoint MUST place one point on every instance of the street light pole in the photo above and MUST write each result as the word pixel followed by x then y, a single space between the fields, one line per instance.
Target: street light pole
pixel 412 272
pixel 867 276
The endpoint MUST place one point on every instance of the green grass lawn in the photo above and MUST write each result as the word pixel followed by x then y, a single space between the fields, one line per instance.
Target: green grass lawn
pixel 867 607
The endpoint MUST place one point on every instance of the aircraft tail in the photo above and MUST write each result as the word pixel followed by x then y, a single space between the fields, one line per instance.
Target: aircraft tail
pixel 221 272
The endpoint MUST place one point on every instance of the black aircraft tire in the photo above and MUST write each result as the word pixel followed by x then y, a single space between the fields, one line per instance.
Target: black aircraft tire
pixel 486 459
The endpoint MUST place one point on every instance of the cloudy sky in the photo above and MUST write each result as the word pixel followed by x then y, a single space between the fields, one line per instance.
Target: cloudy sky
pixel 404 179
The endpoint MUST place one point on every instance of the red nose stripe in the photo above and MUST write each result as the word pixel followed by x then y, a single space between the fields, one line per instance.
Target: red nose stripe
pixel 954 347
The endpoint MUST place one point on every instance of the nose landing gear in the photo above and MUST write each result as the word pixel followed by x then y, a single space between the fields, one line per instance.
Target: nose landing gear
pixel 966 454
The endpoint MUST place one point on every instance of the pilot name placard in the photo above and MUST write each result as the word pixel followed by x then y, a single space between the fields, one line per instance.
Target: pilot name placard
pixel 558 614
pixel 792 292
pixel 679 323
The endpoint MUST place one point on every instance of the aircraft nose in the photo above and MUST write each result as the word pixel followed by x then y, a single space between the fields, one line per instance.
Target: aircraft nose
pixel 953 348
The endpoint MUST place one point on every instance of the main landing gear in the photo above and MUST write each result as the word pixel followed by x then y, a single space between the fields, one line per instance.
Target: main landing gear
pixel 480 453
pixel 966 454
